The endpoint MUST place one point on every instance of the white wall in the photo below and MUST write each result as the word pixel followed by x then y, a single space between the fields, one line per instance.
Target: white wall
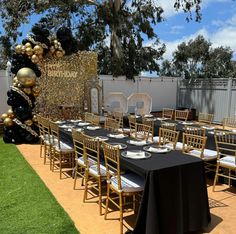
pixel 4 87
pixel 163 90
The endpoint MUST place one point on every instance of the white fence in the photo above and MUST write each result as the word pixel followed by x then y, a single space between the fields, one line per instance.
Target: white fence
pixel 163 90
pixel 214 96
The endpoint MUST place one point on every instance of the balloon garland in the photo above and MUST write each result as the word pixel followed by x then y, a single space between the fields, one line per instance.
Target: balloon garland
pixel 20 121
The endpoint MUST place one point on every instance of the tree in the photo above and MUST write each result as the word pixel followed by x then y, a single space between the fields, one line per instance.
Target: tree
pixel 197 58
pixel 5 51
pixel 125 22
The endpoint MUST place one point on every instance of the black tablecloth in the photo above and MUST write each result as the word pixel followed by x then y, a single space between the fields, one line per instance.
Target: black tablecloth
pixel 175 196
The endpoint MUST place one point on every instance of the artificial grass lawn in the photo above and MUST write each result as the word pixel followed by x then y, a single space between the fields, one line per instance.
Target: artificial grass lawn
pixel 26 205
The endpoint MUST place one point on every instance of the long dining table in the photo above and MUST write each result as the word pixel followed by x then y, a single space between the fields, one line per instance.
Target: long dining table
pixel 175 198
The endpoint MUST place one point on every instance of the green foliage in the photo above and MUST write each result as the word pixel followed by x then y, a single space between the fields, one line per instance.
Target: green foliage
pixel 26 205
pixel 5 51
pixel 197 59
pixel 113 28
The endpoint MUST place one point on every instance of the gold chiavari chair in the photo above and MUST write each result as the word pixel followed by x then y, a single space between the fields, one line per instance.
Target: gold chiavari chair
pixel 78 141
pixel 195 145
pixel 229 122
pixel 95 120
pixel 181 115
pixel 123 185
pixel 119 118
pixel 88 117
pixel 171 126
pixel 63 154
pixel 169 138
pixel 142 132
pixel 226 155
pixel 45 123
pixel 195 130
pixel 41 134
pixel 167 113
pixel 111 124
pixel 132 122
pixel 94 174
pixel 149 122
pixel 205 118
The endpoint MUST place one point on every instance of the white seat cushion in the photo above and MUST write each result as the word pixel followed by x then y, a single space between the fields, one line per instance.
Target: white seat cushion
pixel 90 161
pixel 129 183
pixel 64 147
pixel 228 161
pixel 94 170
pixel 179 146
pixel 156 139
pixel 208 155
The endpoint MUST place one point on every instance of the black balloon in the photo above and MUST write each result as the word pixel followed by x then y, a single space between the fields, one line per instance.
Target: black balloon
pixel 23 112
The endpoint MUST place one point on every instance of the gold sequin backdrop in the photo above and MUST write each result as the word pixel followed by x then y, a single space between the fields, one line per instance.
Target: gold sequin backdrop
pixel 63 84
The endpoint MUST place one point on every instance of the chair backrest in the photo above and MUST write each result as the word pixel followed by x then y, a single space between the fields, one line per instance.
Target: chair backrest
pixel 181 115
pixel 229 122
pixel 55 133
pixel 167 113
pixel 194 142
pixel 205 118
pixel 112 162
pixel 142 131
pixel 111 124
pixel 88 117
pixel 149 122
pixel 225 143
pixel 40 125
pixel 45 127
pixel 195 130
pixel 132 122
pixel 171 126
pixel 78 141
pixel 92 151
pixel 95 119
pixel 119 117
pixel 168 136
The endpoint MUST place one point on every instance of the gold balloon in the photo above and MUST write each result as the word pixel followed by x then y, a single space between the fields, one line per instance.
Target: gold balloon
pixel 55 42
pixel 23 49
pixel 18 49
pixel 10 113
pixel 29 51
pixel 26 77
pixel 38 49
pixel 35 118
pixel 15 84
pixel 59 54
pixel 27 90
pixel 36 90
pixel 28 45
pixel 19 85
pixel 8 122
pixel 4 116
pixel 28 122
pixel 35 58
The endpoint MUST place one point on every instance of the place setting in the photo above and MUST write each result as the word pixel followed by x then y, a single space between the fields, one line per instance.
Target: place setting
pixel 83 124
pixel 157 149
pixel 121 146
pixel 136 154
pixel 101 138
pixel 92 127
pixel 117 135
pixel 138 142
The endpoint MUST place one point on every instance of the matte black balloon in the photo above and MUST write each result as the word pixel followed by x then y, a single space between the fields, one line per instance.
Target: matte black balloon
pixel 7 139
pixel 23 113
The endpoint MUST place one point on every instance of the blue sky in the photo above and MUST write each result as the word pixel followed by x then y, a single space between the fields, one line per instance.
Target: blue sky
pixel 218 25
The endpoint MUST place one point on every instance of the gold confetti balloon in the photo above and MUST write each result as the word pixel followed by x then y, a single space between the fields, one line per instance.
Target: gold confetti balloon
pixel 28 122
pixel 8 122
pixel 59 54
pixel 26 77
pixel 4 116
pixel 36 90
pixel 10 113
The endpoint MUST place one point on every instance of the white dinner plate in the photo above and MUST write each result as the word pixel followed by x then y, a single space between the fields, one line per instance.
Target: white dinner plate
pixel 138 142
pixel 101 138
pixel 120 145
pixel 116 135
pixel 157 149
pixel 136 154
